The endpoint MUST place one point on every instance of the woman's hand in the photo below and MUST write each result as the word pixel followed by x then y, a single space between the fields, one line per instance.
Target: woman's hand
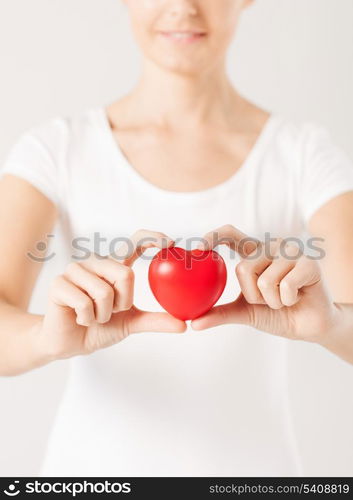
pixel 282 293
pixel 91 304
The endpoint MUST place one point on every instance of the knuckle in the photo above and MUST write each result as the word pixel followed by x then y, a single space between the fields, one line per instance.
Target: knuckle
pixel 92 256
pixel 293 251
pixel 159 233
pixel 276 305
pixel 125 307
pixel 124 303
pixel 139 233
pixel 82 322
pixel 72 267
pixel 276 247
pixel 84 305
pixel 57 282
pixel 104 293
pixel 286 283
pixel 305 259
pixel 149 232
pixel 257 299
pixel 96 259
pixel 264 283
pixel 126 274
pixel 206 240
pixel 242 268
pixel 105 319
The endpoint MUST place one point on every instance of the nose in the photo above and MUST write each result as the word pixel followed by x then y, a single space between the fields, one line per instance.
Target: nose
pixel 182 7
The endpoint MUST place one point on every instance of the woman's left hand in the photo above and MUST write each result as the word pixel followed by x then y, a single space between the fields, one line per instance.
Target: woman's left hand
pixel 282 290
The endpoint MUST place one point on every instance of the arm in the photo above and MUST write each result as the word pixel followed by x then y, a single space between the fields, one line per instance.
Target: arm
pixel 333 222
pixel 298 298
pixel 90 306
pixel 26 216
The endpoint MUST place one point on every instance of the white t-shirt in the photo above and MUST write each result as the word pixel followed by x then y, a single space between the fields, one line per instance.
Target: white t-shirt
pixel 204 403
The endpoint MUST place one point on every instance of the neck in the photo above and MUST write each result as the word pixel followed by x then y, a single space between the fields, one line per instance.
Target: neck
pixel 174 99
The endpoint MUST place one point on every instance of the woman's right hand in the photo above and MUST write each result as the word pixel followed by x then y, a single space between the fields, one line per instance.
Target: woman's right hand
pixel 91 304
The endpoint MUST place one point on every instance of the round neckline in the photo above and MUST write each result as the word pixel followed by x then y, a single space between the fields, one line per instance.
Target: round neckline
pixel 220 188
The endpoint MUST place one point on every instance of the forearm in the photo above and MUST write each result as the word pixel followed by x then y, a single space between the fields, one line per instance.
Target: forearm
pixel 339 340
pixel 20 346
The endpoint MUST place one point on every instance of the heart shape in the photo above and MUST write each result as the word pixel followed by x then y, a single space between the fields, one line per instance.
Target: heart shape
pixel 187 283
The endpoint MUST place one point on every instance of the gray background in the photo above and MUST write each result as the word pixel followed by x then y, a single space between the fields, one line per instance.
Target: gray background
pixel 294 57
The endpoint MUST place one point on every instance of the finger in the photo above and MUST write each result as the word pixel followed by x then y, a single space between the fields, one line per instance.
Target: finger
pixel 305 274
pixel 120 277
pixel 65 294
pixel 145 321
pixel 248 272
pixel 232 312
pixel 270 279
pixel 250 269
pixel 284 260
pixel 133 248
pixel 232 237
pixel 99 290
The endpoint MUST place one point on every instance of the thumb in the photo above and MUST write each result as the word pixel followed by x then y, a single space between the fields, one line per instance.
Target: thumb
pixel 146 321
pixel 232 312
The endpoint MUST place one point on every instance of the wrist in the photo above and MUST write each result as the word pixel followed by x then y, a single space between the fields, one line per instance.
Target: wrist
pixel 42 352
pixel 335 328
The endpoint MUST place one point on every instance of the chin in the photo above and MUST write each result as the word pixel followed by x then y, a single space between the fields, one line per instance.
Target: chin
pixel 183 70
pixel 189 67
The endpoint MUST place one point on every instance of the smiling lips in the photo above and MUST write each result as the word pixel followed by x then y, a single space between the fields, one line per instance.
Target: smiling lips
pixel 183 36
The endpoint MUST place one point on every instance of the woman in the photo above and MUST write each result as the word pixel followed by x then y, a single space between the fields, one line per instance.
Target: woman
pixel 183 155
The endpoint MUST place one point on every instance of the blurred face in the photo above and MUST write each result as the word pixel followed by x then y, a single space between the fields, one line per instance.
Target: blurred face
pixel 185 36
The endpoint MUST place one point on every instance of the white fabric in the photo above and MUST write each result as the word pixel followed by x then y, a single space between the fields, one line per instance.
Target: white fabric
pixel 207 403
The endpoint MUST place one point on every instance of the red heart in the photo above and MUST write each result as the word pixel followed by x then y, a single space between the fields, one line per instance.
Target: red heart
pixel 187 283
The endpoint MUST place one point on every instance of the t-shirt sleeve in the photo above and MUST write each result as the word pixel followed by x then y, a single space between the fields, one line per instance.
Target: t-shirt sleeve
pixel 31 159
pixel 326 169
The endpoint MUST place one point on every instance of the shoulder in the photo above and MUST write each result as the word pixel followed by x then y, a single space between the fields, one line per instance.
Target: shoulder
pixel 302 144
pixel 283 132
pixel 43 154
pixel 59 132
pixel 314 143
pixel 300 133
pixel 296 131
